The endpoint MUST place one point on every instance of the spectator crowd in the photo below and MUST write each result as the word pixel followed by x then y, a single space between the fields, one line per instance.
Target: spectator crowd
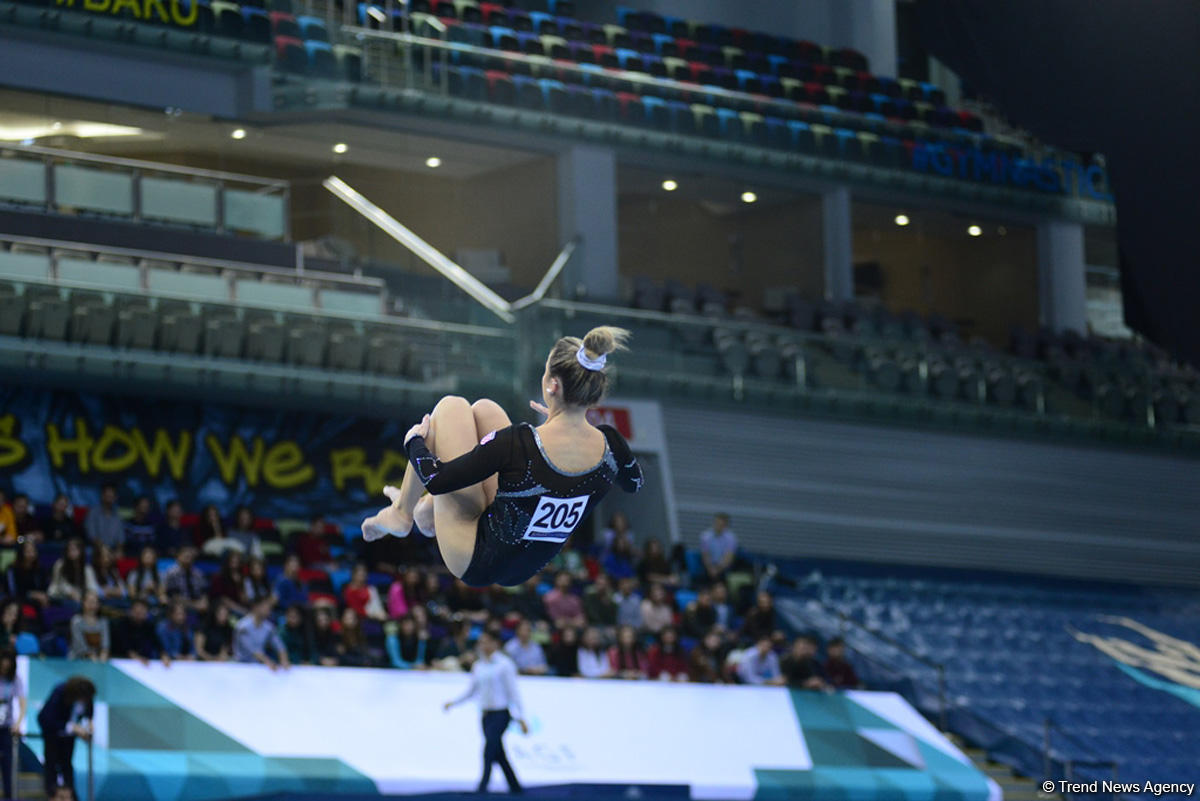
pixel 163 585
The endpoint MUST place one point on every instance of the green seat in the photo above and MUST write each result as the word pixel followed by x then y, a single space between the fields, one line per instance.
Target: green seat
pixel 264 341
pixel 136 328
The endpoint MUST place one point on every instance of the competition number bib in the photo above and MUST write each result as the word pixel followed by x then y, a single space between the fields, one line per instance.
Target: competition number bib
pixel 555 518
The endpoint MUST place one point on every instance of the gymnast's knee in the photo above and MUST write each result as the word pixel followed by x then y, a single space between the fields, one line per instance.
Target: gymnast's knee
pixel 486 405
pixel 450 402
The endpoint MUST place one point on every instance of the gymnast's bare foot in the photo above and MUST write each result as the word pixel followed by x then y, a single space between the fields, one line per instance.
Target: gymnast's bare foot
pixel 390 520
pixel 423 515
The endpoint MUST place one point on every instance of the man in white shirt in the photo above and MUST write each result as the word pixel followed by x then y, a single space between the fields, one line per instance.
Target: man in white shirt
pixel 494 684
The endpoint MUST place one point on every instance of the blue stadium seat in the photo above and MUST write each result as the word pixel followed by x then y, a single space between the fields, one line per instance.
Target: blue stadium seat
pixel 322 63
pixel 656 113
pixel 664 45
pixel 503 38
pixel 528 92
pixel 543 23
pixel 256 24
pixel 312 29
pixel 630 60
pixel 554 95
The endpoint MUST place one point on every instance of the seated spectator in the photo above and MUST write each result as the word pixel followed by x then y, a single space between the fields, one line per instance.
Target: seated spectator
pixel 296 636
pixel 525 603
pixel 312 546
pixel 23 518
pixel 599 606
pixel 563 606
pixel 144 581
pixel 618 562
pixel 760 620
pixel 8 523
pixel 325 639
pixel 255 585
pixel 657 612
pixel 397 603
pixel 60 525
pixel 352 641
pixel 626 658
pixel 170 535
pixel 759 664
pixel 706 659
pixel 139 529
pixel 89 632
pixel 724 610
pixel 527 654
pixel 135 635
pixel 406 644
pixel 175 635
pixel 629 603
pixel 361 596
pixel 255 638
pixel 10 623
pixel 216 538
pixel 700 615
pixel 838 670
pixel 466 603
pixel 455 652
pixel 108 577
pixel 570 560
pixel 183 582
pixel 208 528
pixel 103 525
pixel 289 589
pixel 718 548
pixel 801 668
pixel 26 576
pixel 593 656
pixel 679 565
pixel 227 584
pixel 214 640
pixel 423 589
pixel 71 575
pixel 243 532
pixel 563 656
pixel 618 528
pixel 666 659
pixel 653 567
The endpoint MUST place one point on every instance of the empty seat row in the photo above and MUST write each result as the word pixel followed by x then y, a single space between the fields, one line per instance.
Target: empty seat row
pixel 42 312
pixel 35 266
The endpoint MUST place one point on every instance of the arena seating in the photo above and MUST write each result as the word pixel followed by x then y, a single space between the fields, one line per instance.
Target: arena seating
pixel 1012 663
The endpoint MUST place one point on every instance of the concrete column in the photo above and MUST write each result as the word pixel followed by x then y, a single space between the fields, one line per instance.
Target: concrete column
pixel 1062 276
pixel 838 244
pixel 587 208
pixel 869 26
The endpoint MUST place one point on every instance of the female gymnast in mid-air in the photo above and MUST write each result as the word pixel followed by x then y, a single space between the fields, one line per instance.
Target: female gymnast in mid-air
pixel 504 498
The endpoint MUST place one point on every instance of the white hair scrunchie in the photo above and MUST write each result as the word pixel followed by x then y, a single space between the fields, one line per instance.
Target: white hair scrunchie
pixel 588 362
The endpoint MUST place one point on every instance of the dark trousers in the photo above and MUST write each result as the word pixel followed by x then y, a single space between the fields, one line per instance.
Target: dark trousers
pixel 59 771
pixel 6 759
pixel 494 724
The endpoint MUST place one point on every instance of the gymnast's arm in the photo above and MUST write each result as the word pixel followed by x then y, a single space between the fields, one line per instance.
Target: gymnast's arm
pixel 441 477
pixel 629 472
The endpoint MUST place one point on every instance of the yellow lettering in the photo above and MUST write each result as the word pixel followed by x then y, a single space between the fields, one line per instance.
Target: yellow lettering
pixel 97 5
pixel 113 436
pixel 284 467
pixel 158 8
pixel 193 11
pixel 176 453
pixel 347 464
pixel 58 447
pixel 64 2
pixel 12 450
pixel 131 4
pixel 228 461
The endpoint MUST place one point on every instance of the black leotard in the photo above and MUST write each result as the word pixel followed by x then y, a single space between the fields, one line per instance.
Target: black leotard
pixel 537 505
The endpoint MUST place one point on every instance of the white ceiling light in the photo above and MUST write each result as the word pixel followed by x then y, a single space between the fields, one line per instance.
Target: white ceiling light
pixel 749 197
pixel 433 162
pixel 669 185
pixel 975 230
pixel 238 133
pixel 340 147
pixel 902 219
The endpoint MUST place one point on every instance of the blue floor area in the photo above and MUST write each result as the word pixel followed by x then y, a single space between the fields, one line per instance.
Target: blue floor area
pixel 562 792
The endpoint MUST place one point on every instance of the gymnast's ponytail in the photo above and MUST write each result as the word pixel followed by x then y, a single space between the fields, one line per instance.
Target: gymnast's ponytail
pixel 580 365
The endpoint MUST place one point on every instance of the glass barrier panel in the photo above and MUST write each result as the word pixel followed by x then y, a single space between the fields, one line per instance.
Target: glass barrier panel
pixel 254 212
pixel 90 189
pixel 173 200
pixel 22 181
